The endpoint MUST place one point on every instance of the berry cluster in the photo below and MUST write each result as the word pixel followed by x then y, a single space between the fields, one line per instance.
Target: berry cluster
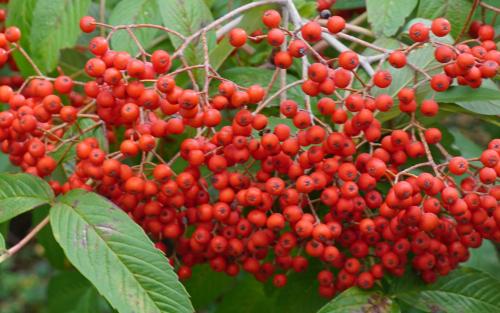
pixel 336 187
pixel 7 36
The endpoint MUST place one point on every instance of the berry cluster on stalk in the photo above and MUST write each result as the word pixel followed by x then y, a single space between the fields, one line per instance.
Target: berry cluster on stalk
pixel 268 199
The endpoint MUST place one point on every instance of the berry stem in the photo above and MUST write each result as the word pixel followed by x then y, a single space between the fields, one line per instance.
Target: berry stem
pixel 489 7
pixel 102 15
pixel 142 25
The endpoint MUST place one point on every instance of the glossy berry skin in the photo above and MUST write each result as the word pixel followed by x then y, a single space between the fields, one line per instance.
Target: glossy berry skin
pixel 397 59
pixel 311 32
pixel 271 18
pixel 13 34
pixel 237 37
pixel 348 60
pixel 440 82
pixel 440 27
pixel 335 24
pixel 419 32
pixel 87 24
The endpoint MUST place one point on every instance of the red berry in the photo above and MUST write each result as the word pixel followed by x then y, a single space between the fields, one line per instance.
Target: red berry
pixel 419 32
pixel 237 37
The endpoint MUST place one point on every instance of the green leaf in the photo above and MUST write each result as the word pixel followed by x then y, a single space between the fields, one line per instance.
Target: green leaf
pixel 248 296
pixel 72 61
pixel 4 229
pixel 454 10
pixel 485 258
pixel 134 12
pixel 6 165
pixel 115 254
pixel 387 16
pixel 307 9
pixel 482 100
pixel 21 15
pixel 467 148
pixel 447 107
pixel 20 193
pixel 187 17
pixel 51 249
pixel 409 282
pixel 463 290
pixel 300 294
pixel 349 4
pixel 357 300
pixel 201 296
pixel 54 27
pixel 247 76
pixel 70 292
pixel 2 243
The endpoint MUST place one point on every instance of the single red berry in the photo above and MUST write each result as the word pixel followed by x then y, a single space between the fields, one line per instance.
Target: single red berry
pixel 419 32
pixel 237 37
pixel 87 24
pixel 441 27
pixel 271 18
pixel 335 24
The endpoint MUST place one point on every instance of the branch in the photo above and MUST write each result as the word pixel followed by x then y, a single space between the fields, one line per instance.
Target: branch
pixel 10 252
pixel 142 25
pixel 271 98
pixel 468 19
pixel 28 58
pixel 490 7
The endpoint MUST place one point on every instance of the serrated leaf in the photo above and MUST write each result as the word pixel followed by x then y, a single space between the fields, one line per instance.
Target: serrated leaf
pixel 70 292
pixel 54 27
pixel 20 193
pixel 454 10
pixel 187 17
pixel 115 255
pixel 482 100
pixel 357 300
pixel 463 290
pixel 247 76
pixel 134 12
pixel 387 16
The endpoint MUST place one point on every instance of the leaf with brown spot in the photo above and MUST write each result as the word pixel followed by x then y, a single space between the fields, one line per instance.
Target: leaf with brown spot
pixel 116 256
